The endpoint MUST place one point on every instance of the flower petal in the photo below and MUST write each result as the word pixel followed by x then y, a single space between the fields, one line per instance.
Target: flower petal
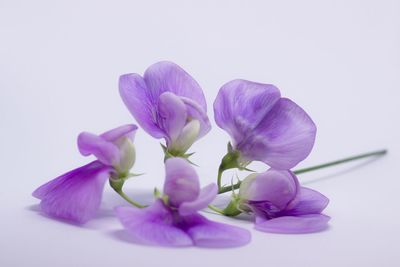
pixel 310 201
pixel 135 95
pixel 172 115
pixel 107 152
pixel 196 112
pixel 76 195
pixel 211 234
pixel 181 181
pixel 153 225
pixel 293 224
pixel 167 76
pixel 241 105
pixel 283 138
pixel 207 194
pixel 113 135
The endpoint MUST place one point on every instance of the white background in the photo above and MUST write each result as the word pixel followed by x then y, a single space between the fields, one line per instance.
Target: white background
pixel 59 67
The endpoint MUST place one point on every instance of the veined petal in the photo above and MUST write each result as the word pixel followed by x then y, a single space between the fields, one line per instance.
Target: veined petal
pixel 241 105
pixel 309 202
pixel 113 135
pixel 137 98
pixel 181 181
pixel 205 233
pixel 196 112
pixel 76 195
pixel 107 152
pixel 283 138
pixel 173 115
pixel 153 225
pixel 207 194
pixel 293 224
pixel 167 76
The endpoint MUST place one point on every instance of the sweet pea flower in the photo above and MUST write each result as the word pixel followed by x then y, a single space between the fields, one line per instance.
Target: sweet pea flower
pixel 167 103
pixel 76 195
pixel 173 220
pixel 280 204
pixel 263 126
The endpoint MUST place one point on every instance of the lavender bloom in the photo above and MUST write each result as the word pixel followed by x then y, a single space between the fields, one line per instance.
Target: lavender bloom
pixel 76 195
pixel 167 103
pixel 281 205
pixel 173 220
pixel 263 126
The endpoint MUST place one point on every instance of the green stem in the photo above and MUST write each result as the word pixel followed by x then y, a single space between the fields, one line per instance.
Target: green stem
pixel 313 168
pixel 211 207
pixel 117 185
pixel 134 203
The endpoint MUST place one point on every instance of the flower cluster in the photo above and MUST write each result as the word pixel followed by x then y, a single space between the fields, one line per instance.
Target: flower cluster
pixel 168 103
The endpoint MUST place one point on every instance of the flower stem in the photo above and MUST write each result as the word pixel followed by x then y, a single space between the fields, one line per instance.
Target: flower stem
pixel 134 203
pixel 313 168
pixel 218 210
pixel 117 185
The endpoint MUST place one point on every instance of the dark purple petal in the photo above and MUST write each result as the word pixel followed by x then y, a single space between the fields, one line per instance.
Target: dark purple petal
pixel 309 202
pixel 283 138
pixel 205 233
pixel 107 152
pixel 136 97
pixel 181 181
pixel 153 225
pixel 241 105
pixel 293 224
pixel 173 115
pixel 207 194
pixel 76 195
pixel 113 135
pixel 167 76
pixel 196 112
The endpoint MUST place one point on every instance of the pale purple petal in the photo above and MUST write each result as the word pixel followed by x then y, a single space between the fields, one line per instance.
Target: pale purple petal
pixel 293 224
pixel 136 96
pixel 113 135
pixel 211 234
pixel 310 201
pixel 207 194
pixel 241 105
pixel 167 76
pixel 195 111
pixel 181 181
pixel 107 152
pixel 283 138
pixel 153 225
pixel 76 195
pixel 172 115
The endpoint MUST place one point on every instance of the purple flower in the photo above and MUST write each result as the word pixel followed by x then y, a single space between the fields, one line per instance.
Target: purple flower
pixel 263 126
pixel 167 103
pixel 281 205
pixel 76 195
pixel 173 220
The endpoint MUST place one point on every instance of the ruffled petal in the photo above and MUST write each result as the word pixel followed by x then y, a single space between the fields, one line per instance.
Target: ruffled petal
pixel 241 105
pixel 207 194
pixel 196 112
pixel 113 135
pixel 167 76
pixel 309 202
pixel 283 138
pixel 293 224
pixel 76 195
pixel 107 152
pixel 153 225
pixel 181 181
pixel 137 98
pixel 205 233
pixel 172 115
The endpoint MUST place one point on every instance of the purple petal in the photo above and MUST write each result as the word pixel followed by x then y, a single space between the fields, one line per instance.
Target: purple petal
pixel 153 225
pixel 167 76
pixel 195 111
pixel 181 181
pixel 173 116
pixel 283 138
pixel 273 186
pixel 211 234
pixel 105 151
pixel 207 194
pixel 113 135
pixel 76 195
pixel 135 95
pixel 309 202
pixel 241 105
pixel 293 224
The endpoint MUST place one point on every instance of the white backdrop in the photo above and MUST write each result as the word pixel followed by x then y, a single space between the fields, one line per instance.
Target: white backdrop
pixel 59 67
